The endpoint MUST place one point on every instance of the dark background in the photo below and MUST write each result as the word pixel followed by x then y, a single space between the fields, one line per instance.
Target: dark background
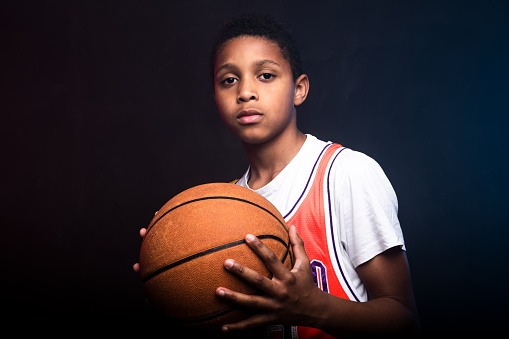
pixel 107 112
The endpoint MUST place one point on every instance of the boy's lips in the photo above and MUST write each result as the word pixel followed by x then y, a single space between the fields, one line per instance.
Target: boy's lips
pixel 249 116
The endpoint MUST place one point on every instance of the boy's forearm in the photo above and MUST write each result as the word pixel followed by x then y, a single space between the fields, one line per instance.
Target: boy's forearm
pixel 338 316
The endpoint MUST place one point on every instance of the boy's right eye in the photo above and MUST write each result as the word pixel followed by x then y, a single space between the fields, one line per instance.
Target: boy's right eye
pixel 229 81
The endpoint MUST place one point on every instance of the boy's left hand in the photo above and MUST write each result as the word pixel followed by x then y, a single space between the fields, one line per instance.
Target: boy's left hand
pixel 289 297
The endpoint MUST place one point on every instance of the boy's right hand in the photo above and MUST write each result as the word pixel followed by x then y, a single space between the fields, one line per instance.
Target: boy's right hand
pixel 136 267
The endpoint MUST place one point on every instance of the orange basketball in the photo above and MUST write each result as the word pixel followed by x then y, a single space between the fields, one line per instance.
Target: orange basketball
pixel 187 242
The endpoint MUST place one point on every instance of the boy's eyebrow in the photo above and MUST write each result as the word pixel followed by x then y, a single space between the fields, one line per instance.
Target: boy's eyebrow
pixel 225 66
pixel 266 61
pixel 257 63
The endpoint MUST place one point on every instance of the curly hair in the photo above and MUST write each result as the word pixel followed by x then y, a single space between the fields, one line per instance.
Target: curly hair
pixel 258 25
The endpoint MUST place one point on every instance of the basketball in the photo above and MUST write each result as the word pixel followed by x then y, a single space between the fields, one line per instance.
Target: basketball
pixel 187 242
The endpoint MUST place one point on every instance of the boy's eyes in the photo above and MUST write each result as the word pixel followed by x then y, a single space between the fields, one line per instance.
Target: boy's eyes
pixel 232 80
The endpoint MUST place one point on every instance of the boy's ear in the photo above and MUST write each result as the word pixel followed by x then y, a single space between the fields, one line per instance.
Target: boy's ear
pixel 301 89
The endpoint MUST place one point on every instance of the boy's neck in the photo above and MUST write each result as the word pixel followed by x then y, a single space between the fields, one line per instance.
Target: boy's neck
pixel 267 160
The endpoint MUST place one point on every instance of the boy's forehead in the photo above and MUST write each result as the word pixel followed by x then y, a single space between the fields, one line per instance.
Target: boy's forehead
pixel 249 49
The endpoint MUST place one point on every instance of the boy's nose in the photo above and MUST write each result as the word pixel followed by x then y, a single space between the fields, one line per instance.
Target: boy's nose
pixel 247 92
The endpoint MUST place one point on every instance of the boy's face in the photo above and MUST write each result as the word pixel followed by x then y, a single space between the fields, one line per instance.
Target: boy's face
pixel 254 89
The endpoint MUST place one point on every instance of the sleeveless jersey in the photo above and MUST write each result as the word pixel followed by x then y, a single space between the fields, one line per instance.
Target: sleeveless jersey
pixel 314 214
pixel 308 215
pixel 312 225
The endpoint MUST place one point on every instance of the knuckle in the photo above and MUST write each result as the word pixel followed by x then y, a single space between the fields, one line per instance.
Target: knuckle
pixel 258 280
pixel 272 258
pixel 291 279
pixel 300 241
pixel 283 294
pixel 239 268
pixel 230 296
pixel 258 243
pixel 251 302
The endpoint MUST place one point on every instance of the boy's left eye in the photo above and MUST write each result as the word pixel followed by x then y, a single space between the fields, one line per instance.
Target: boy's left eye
pixel 267 76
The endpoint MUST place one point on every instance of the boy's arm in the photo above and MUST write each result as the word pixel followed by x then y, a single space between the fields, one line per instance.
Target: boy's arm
pixel 292 298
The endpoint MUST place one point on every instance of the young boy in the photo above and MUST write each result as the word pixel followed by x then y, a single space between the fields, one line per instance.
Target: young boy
pixel 350 275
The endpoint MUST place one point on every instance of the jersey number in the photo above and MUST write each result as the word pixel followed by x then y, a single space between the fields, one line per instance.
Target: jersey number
pixel 319 275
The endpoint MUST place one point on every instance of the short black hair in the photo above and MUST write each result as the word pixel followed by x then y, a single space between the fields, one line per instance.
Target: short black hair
pixel 258 25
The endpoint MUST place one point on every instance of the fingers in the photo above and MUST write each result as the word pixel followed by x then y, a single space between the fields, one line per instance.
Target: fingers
pixel 255 279
pixel 136 268
pixel 273 263
pixel 301 257
pixel 295 238
pixel 252 322
pixel 252 301
pixel 143 232
pixel 278 298
pixel 279 271
pixel 246 300
pixel 281 292
pixel 270 287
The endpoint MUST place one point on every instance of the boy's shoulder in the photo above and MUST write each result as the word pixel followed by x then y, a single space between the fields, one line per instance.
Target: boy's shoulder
pixel 348 157
pixel 346 163
pixel 357 169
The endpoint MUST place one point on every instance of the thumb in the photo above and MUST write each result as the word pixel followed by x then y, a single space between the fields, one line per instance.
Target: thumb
pixel 301 257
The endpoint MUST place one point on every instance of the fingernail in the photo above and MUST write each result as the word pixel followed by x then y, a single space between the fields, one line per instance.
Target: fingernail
pixel 228 263
pixel 220 293
pixel 224 328
pixel 250 237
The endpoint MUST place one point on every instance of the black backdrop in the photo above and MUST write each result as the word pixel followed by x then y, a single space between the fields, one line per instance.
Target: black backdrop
pixel 107 112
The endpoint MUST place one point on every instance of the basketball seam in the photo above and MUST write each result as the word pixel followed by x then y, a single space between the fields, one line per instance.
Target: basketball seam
pixel 213 250
pixel 214 197
pixel 218 248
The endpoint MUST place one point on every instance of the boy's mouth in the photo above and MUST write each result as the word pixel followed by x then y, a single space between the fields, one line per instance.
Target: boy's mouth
pixel 249 116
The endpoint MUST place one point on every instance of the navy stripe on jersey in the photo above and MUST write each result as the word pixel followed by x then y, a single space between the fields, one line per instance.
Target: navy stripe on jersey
pixel 332 227
pixel 309 179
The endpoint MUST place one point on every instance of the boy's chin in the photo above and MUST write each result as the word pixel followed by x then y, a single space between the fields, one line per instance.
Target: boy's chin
pixel 254 139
